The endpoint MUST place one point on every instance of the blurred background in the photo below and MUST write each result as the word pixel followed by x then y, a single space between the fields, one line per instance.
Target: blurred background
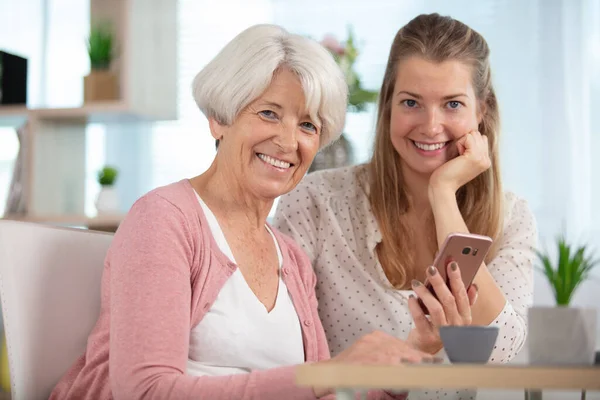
pixel 546 70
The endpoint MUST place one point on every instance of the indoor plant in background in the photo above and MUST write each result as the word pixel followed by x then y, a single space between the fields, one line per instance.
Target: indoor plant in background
pixel 101 84
pixel 345 53
pixel 107 202
pixel 564 334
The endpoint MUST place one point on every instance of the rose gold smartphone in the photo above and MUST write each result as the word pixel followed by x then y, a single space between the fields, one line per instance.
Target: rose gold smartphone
pixel 468 250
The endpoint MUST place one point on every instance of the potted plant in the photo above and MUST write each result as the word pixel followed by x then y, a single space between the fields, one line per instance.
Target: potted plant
pixel 101 83
pixel 564 334
pixel 107 201
pixel 345 53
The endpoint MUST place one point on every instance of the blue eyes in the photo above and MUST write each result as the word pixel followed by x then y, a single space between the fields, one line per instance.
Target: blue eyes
pixel 453 105
pixel 309 126
pixel 268 114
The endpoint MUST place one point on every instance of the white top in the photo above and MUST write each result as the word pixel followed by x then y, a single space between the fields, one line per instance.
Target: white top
pixel 329 216
pixel 237 334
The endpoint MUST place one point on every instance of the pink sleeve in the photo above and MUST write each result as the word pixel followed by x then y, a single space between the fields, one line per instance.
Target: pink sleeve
pixel 150 306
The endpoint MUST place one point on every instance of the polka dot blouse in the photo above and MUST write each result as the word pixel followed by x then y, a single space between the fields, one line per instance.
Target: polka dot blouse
pixel 329 215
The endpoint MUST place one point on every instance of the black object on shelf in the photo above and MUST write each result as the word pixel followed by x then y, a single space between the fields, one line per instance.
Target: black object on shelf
pixel 597 361
pixel 13 79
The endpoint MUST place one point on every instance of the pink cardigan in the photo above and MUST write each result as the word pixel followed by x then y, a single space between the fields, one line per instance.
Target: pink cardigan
pixel 162 274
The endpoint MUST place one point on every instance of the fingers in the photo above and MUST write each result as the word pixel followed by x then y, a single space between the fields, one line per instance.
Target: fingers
pixel 478 147
pixel 435 308
pixel 422 324
pixel 379 348
pixel 472 292
pixel 444 295
pixel 399 350
pixel 471 140
pixel 459 292
pixel 461 144
pixel 410 354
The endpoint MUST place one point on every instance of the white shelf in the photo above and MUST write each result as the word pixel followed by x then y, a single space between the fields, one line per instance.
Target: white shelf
pixel 105 112
pixel 109 222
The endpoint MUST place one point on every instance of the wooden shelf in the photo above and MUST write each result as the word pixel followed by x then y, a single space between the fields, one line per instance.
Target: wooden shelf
pixel 104 112
pixel 86 111
pixel 448 376
pixel 8 110
pixel 12 116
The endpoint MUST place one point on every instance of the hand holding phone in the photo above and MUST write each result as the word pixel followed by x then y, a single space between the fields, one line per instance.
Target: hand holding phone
pixel 467 250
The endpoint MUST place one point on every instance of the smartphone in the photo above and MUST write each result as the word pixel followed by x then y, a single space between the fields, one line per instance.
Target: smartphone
pixel 468 250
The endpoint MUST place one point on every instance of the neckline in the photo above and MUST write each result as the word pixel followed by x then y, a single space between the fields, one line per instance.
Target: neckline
pixel 191 192
pixel 212 220
pixel 224 258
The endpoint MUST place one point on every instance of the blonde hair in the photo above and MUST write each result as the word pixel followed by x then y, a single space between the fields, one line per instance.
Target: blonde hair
pixel 435 38
pixel 244 68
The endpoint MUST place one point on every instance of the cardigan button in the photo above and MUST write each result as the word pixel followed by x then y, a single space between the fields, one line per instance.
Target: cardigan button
pixel 307 322
pixel 206 306
pixel 286 271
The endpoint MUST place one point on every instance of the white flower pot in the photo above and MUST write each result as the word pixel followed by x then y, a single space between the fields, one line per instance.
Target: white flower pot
pixel 107 201
pixel 562 335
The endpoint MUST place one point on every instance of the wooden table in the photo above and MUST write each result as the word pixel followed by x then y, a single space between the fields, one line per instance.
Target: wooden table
pixel 348 380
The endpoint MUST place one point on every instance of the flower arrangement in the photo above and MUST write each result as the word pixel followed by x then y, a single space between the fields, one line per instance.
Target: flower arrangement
pixel 345 54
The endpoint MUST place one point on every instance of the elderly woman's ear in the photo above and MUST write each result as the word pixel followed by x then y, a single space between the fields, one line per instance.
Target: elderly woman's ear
pixel 216 130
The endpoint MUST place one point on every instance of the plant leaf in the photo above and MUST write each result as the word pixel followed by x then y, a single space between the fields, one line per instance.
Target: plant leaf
pixel 100 46
pixel 572 268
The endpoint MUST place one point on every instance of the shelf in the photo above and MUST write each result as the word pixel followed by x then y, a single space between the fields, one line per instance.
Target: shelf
pixel 103 223
pixel 104 112
pixel 12 116
pixel 55 144
pixel 90 112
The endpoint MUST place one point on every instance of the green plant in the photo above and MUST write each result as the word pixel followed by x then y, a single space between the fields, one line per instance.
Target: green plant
pixel 572 268
pixel 345 54
pixel 107 176
pixel 100 46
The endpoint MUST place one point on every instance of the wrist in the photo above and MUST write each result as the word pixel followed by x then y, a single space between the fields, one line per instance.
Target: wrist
pixel 432 348
pixel 435 349
pixel 429 348
pixel 439 193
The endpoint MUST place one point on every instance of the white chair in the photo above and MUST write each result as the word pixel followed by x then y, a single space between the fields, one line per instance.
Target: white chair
pixel 50 291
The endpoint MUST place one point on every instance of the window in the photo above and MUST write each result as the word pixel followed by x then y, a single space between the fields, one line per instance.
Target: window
pixel 21 34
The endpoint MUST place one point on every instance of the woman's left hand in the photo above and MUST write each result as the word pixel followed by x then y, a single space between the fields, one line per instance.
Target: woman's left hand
pixel 452 307
pixel 473 159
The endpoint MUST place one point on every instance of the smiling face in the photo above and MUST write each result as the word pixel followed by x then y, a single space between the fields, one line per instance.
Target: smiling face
pixel 434 104
pixel 272 142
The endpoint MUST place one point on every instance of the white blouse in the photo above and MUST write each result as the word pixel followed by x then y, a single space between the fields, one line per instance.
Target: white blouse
pixel 238 335
pixel 329 215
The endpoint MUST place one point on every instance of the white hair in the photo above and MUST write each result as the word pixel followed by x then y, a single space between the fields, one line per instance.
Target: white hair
pixel 244 68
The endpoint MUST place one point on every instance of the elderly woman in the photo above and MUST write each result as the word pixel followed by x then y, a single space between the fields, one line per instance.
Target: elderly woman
pixel 374 229
pixel 201 298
